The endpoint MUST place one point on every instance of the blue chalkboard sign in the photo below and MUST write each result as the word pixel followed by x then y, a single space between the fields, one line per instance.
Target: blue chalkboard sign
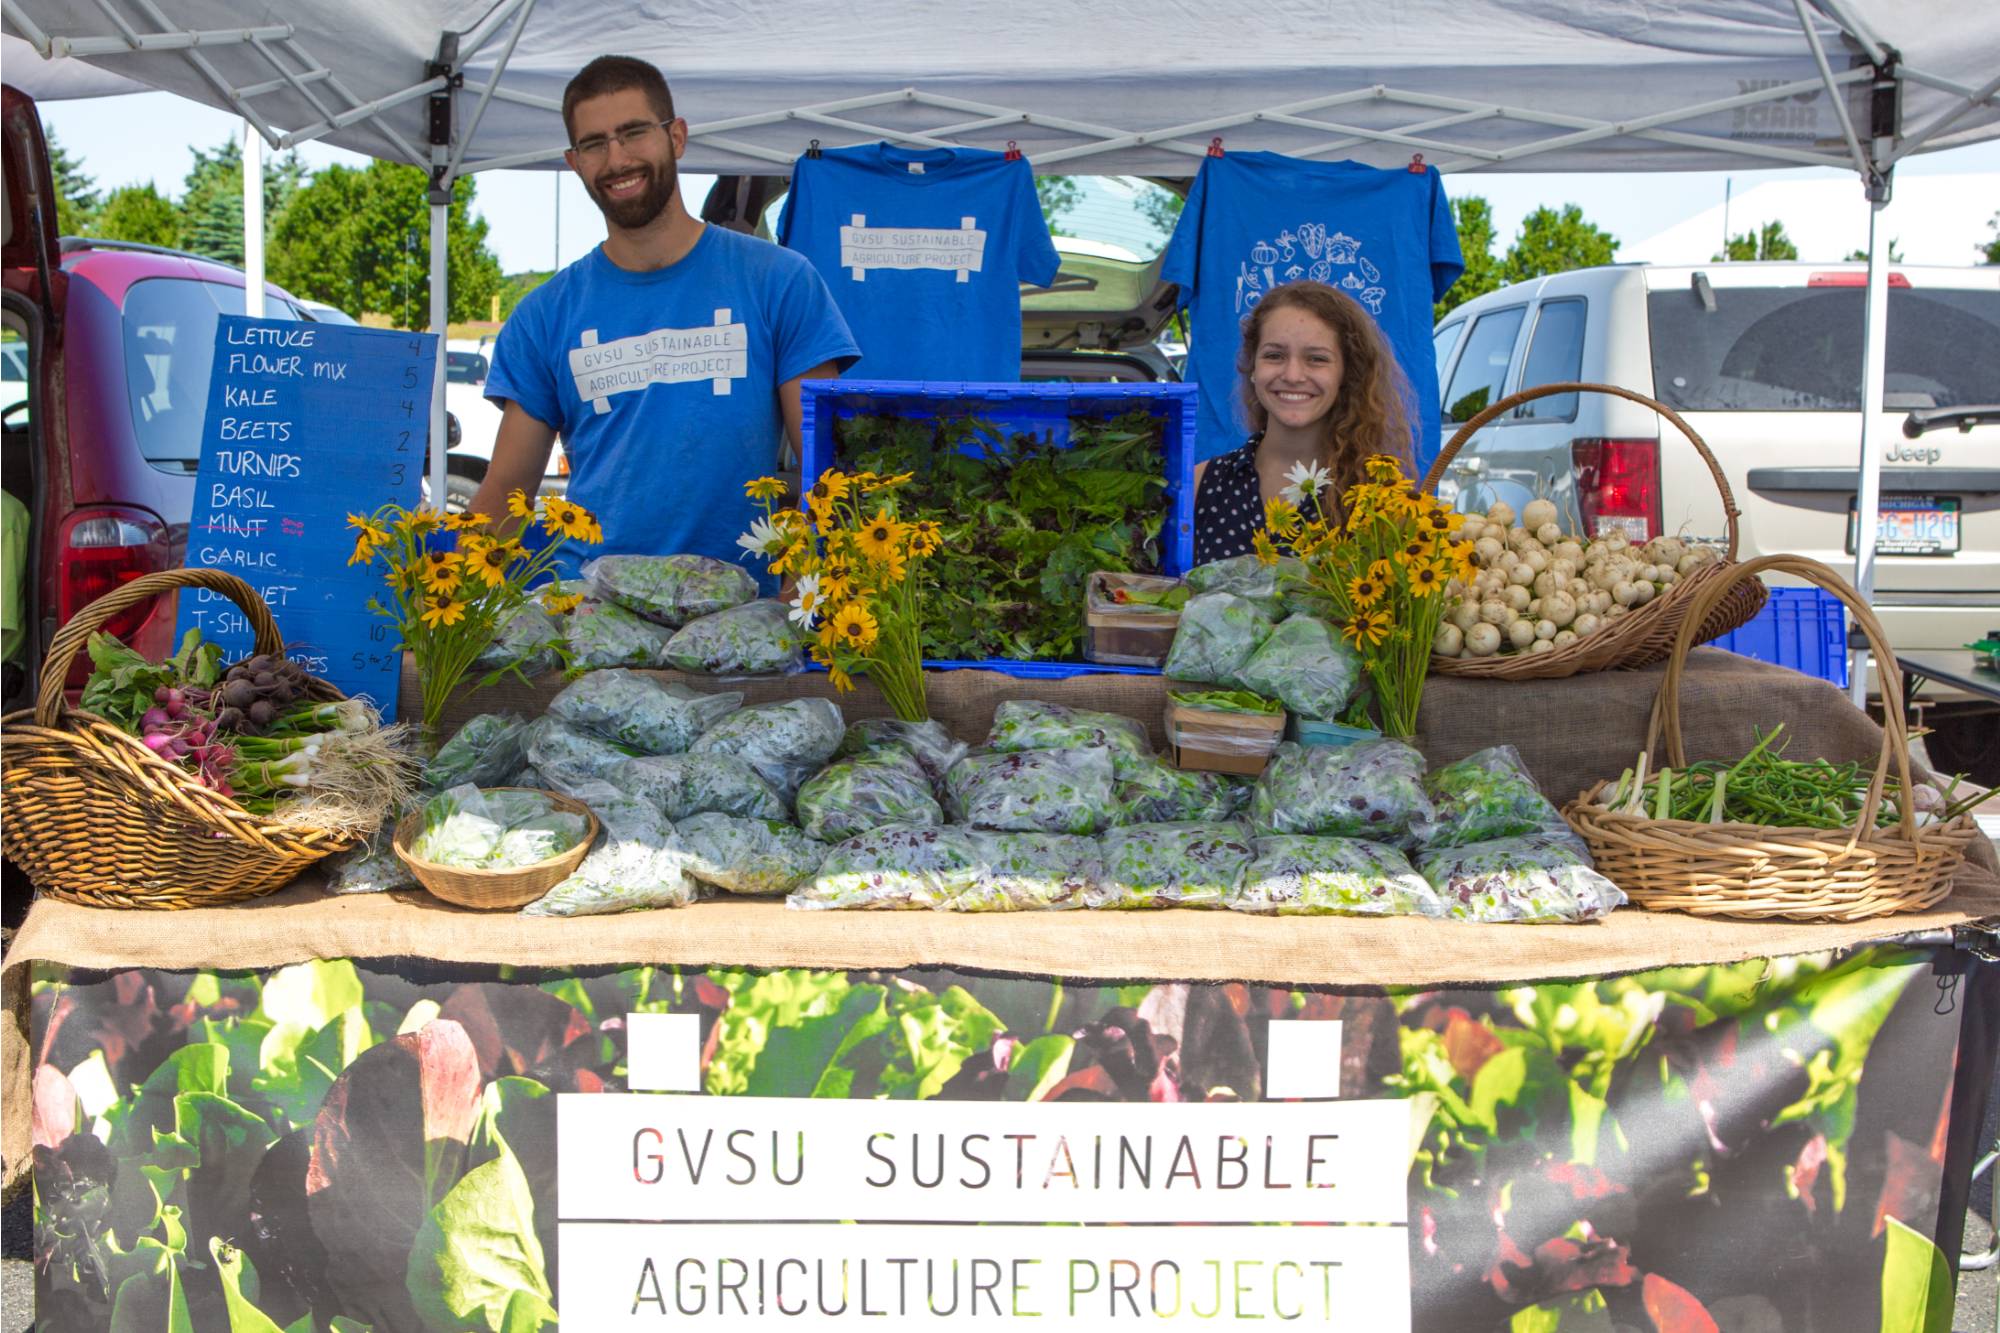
pixel 307 423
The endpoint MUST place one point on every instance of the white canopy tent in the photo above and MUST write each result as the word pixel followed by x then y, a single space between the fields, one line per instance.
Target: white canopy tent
pixel 1119 86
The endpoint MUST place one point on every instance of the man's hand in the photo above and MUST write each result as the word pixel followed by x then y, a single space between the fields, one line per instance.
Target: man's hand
pixel 790 406
pixel 520 457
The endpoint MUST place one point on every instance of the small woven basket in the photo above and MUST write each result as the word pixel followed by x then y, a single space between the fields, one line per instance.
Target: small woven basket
pixel 96 818
pixel 1796 874
pixel 495 890
pixel 1645 634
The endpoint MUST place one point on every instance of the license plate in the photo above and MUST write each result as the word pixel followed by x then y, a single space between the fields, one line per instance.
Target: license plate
pixel 1911 525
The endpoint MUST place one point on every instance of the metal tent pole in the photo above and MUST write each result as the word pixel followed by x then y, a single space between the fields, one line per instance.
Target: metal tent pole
pixel 253 222
pixel 1874 366
pixel 441 128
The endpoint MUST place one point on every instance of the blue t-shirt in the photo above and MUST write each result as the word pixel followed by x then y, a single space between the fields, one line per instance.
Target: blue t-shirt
pixel 664 384
pixel 926 251
pixel 1254 221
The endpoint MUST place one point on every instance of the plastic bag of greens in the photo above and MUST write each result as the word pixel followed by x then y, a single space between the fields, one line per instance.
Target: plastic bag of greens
pixel 528 642
pixel 1306 667
pixel 1158 793
pixel 482 752
pixel 853 796
pixel 634 864
pixel 756 856
pixel 1219 632
pixel 604 634
pixel 1248 577
pixel 466 827
pixel 373 867
pixel 645 715
pixel 785 742
pixel 680 785
pixel 1488 795
pixel 1028 724
pixel 897 866
pixel 1021 872
pixel 1539 877
pixel 928 741
pixel 1034 791
pixel 1373 790
pixel 754 639
pixel 1295 875
pixel 1172 865
pixel 669 589
pixel 526 776
pixel 565 756
pixel 542 838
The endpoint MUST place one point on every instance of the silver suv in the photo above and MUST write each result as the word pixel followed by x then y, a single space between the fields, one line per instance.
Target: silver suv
pixel 1764 361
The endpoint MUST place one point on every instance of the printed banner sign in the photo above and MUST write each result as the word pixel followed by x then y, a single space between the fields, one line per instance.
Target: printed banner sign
pixel 307 423
pixel 960 250
pixel 1758 1146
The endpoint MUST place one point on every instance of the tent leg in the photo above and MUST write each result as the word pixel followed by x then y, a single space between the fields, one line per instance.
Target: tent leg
pixel 1874 366
pixel 253 222
pixel 440 320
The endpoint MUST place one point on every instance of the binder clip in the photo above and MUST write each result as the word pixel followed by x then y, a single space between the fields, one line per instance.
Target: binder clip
pixel 812 150
pixel 1013 151
pixel 1417 164
pixel 1215 146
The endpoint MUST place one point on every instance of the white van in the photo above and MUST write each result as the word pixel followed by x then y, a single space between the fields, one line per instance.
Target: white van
pixel 1763 360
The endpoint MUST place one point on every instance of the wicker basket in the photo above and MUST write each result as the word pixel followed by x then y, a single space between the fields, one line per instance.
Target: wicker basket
pixel 95 817
pixel 495 890
pixel 1644 635
pixel 1748 870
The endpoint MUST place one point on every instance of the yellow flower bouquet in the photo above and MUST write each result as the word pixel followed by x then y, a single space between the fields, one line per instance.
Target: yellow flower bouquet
pixel 853 567
pixel 1384 571
pixel 453 584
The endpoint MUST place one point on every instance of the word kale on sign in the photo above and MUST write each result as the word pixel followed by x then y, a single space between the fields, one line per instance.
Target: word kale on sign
pixel 306 424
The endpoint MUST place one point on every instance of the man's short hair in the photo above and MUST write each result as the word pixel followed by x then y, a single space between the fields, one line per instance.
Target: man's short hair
pixel 615 74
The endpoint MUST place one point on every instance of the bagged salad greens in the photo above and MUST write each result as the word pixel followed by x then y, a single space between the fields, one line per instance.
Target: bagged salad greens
pixel 785 742
pixel 928 742
pixel 1028 724
pixel 565 756
pixel 1172 865
pixel 1371 789
pixel 635 863
pixel 1489 795
pixel 482 752
pixel 1022 872
pixel 1297 875
pixel 604 634
pixel 1158 793
pixel 680 785
pixel 1034 791
pixel 853 796
pixel 529 642
pixel 1538 877
pixel 754 639
pixel 897 866
pixel 1219 632
pixel 645 715
pixel 526 776
pixel 669 590
pixel 1248 577
pixel 372 867
pixel 754 856
pixel 1306 667
pixel 495 830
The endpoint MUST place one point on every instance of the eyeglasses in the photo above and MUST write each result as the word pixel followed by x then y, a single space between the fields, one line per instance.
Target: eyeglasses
pixel 628 137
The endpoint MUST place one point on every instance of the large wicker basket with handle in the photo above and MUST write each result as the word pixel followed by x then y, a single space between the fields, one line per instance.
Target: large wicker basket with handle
pixel 95 817
pixel 1749 870
pixel 1644 635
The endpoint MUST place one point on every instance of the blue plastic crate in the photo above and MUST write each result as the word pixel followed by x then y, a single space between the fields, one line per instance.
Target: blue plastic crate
pixel 1041 408
pixel 1801 628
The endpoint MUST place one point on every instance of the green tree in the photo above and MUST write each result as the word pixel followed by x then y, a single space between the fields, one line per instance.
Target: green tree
pixel 76 193
pixel 343 239
pixel 1895 252
pixel 517 285
pixel 1991 249
pixel 1058 195
pixel 1556 242
pixel 1767 242
pixel 1474 217
pixel 138 213
pixel 212 205
pixel 1162 207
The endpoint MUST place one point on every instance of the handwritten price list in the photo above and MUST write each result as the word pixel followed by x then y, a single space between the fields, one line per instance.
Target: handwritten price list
pixel 306 424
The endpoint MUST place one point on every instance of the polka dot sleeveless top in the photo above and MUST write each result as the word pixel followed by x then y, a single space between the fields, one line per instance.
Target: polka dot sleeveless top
pixel 1229 506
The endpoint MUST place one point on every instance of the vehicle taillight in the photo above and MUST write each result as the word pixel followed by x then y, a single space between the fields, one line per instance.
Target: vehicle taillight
pixel 102 550
pixel 1850 278
pixel 1618 487
pixel 562 461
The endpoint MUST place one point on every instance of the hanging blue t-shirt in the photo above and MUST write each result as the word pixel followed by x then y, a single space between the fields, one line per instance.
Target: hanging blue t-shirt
pixel 1254 221
pixel 925 251
pixel 664 384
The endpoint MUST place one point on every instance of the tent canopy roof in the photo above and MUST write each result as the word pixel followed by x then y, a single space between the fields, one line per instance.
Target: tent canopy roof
pixel 1119 86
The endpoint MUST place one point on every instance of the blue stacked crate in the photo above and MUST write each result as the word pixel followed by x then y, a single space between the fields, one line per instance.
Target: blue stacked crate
pixel 1801 628
pixel 1044 409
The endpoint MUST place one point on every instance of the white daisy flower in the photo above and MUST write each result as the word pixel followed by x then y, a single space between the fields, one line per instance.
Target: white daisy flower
pixel 805 600
pixel 763 539
pixel 1306 479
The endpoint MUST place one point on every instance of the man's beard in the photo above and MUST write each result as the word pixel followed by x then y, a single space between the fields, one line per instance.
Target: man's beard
pixel 640 209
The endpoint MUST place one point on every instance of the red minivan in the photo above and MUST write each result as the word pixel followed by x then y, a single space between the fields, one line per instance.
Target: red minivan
pixel 103 447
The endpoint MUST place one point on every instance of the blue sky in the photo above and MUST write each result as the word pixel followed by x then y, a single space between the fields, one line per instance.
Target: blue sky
pixel 526 209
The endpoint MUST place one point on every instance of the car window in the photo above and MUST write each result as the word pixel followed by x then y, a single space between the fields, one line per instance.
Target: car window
pixel 1555 356
pixel 169 328
pixel 1799 349
pixel 464 368
pixel 1481 375
pixel 1443 341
